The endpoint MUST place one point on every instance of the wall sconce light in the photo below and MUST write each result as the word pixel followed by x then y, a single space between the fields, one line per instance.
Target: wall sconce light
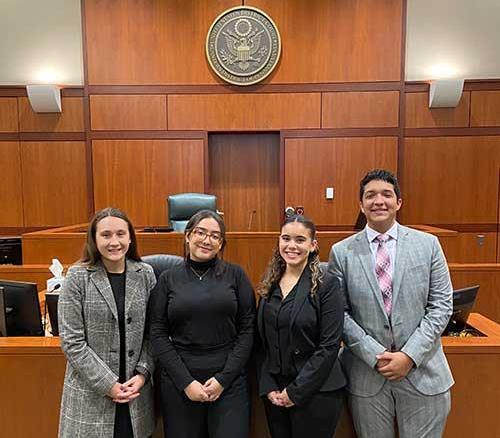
pixel 44 98
pixel 445 93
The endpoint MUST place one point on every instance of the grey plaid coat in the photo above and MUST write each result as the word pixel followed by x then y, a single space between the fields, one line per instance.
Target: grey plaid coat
pixel 88 327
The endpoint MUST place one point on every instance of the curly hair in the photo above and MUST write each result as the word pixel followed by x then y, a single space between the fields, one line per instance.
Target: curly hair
pixel 277 265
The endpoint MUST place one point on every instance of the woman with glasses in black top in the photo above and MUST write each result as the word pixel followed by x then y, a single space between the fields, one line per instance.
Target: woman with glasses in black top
pixel 202 321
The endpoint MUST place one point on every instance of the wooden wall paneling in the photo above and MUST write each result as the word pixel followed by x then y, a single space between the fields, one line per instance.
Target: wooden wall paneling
pixel 39 373
pixel 138 175
pixel 250 112
pixel 472 248
pixel 11 195
pixel 38 274
pixel 471 416
pixel 450 180
pixel 360 109
pixel 133 112
pixel 419 115
pixel 337 40
pixel 254 256
pixel 40 250
pixel 313 164
pixel 69 120
pixel 54 183
pixel 150 42
pixel 488 278
pixel 244 174
pixel 485 108
pixel 8 114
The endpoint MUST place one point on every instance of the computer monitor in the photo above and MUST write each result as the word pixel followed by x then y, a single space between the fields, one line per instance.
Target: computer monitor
pixel 463 302
pixel 51 300
pixel 20 309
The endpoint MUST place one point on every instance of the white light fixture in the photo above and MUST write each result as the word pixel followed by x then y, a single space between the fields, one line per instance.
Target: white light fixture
pixel 445 93
pixel 44 98
pixel 443 71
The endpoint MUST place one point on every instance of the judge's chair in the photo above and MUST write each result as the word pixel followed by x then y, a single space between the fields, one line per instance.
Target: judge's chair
pixel 183 205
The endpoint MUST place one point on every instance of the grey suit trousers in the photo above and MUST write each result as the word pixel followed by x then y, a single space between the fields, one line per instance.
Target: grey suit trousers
pixel 416 415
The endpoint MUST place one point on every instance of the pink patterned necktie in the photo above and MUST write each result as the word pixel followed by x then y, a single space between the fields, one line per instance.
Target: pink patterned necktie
pixel 382 269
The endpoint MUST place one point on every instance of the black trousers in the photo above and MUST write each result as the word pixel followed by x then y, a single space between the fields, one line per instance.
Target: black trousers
pixel 227 417
pixel 317 418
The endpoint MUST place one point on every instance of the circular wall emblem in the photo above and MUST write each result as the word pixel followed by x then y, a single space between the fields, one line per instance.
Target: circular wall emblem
pixel 243 45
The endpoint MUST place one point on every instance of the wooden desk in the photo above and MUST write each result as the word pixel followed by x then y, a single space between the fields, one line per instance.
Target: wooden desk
pixel 32 373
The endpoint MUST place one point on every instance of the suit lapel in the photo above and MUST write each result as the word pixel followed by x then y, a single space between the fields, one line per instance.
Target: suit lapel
pixel 400 261
pixel 101 282
pixel 132 278
pixel 365 256
pixel 301 294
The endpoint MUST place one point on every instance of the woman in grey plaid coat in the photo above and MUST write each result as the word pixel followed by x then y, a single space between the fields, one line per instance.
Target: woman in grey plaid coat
pixel 102 310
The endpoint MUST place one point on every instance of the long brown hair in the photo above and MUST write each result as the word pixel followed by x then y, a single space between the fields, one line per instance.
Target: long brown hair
pixel 91 255
pixel 277 265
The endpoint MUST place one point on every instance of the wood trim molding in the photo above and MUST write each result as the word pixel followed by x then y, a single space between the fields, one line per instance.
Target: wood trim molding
pixel 451 132
pixel 402 97
pixel 20 91
pixel 146 135
pixel 43 136
pixel 52 136
pixel 469 85
pixel 340 132
pixel 9 136
pixel 17 231
pixel 468 228
pixel 230 89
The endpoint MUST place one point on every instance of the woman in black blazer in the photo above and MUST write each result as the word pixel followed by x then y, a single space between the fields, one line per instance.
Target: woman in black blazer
pixel 300 321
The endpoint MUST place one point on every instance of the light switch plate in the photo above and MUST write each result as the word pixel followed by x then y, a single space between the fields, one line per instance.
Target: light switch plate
pixel 329 193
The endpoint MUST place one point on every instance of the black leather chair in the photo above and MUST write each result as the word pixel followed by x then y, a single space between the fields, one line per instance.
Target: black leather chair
pixel 162 262
pixel 182 206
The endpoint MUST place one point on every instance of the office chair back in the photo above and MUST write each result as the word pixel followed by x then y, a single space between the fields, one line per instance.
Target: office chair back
pixel 182 206
pixel 162 262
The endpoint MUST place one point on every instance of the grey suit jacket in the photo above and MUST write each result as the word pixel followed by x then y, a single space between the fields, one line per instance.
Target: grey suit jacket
pixel 421 307
pixel 88 327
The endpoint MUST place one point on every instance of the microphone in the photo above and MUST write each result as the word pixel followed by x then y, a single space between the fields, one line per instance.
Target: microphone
pixel 289 211
pixel 250 219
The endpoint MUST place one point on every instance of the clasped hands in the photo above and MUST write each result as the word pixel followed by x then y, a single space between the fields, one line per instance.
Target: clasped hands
pixel 280 398
pixel 394 366
pixel 128 391
pixel 208 392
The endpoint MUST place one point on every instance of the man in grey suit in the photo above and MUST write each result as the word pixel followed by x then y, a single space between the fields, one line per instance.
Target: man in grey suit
pixel 398 296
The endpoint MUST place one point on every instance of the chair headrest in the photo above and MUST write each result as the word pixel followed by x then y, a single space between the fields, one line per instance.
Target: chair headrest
pixel 184 205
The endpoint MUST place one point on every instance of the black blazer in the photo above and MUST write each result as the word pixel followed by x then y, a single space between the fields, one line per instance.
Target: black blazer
pixel 316 326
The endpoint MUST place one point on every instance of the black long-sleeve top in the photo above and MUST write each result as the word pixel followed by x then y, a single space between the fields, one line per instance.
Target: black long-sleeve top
pixel 202 312
pixel 277 316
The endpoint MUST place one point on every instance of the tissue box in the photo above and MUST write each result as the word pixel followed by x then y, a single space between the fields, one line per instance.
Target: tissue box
pixel 55 284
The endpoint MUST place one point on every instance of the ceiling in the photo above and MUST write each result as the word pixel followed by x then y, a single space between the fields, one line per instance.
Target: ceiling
pixel 41 40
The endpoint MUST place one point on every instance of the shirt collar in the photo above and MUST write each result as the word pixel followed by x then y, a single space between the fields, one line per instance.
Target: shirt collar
pixel 371 234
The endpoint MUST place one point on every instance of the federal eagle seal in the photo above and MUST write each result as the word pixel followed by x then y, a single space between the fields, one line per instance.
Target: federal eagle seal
pixel 243 45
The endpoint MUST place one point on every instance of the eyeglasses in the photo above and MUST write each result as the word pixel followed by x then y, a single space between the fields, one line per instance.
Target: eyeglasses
pixel 201 234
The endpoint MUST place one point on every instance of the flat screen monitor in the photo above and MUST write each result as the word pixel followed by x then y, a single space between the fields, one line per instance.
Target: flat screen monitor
pixel 51 300
pixel 463 302
pixel 20 309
